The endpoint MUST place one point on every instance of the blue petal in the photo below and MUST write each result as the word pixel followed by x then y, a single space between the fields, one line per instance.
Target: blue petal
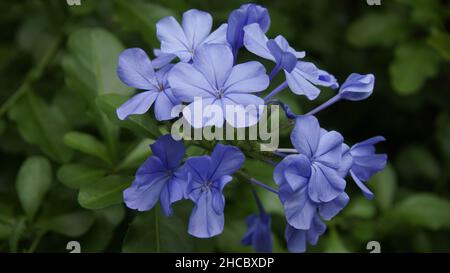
pixel 196 26
pixel 357 87
pixel 219 36
pixel 163 59
pixel 306 135
pixel 143 196
pixel 346 161
pixel 329 149
pixel 172 37
pixel 296 239
pixel 138 104
pixel 245 15
pixel 285 59
pixel 166 105
pixel 284 45
pixel 187 83
pixel 242 110
pixel 169 151
pixel 326 79
pixel 299 80
pixel 297 173
pixel 366 192
pixel 325 184
pixel 214 61
pixel 204 112
pixel 135 69
pixel 199 168
pixel 364 167
pixel 226 160
pixel 278 173
pixel 299 209
pixel 258 233
pixel 330 209
pixel 317 229
pixel 247 77
pixel 255 41
pixel 204 221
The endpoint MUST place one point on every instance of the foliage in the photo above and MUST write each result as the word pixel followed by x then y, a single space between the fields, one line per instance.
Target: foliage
pixel 66 157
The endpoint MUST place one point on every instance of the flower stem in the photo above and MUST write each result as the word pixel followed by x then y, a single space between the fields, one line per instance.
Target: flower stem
pixel 277 90
pixel 258 201
pixel 256 182
pixel 324 105
pixel 32 76
pixel 275 71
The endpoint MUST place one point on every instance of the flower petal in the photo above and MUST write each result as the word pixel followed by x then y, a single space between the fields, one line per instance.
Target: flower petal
pixel 197 25
pixel 366 191
pixel 187 83
pixel 299 209
pixel 299 80
pixel 204 221
pixel 330 209
pixel 325 184
pixel 166 105
pixel 214 61
pixel 226 160
pixel 247 77
pixel 218 36
pixel 242 110
pixel 255 41
pixel 138 104
pixel 172 37
pixel 329 150
pixel 169 151
pixel 306 135
pixel 298 171
pixel 144 197
pixel 135 69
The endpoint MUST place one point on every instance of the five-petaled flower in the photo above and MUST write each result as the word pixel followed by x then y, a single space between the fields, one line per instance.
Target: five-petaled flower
pixel 159 178
pixel 183 41
pixel 136 70
pixel 221 86
pixel 208 175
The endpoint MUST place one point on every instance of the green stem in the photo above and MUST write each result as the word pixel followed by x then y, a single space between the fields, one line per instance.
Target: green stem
pixel 34 74
pixel 36 241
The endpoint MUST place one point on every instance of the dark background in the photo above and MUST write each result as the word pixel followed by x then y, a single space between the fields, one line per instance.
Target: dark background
pixel 65 158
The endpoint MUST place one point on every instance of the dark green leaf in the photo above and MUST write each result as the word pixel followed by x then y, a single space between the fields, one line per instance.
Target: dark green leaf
pixel 137 156
pixel 41 125
pixel 153 232
pixel 376 29
pixel 87 144
pixel 71 224
pixel 140 16
pixel 441 42
pixel 384 185
pixel 103 193
pixel 424 210
pixel 76 175
pixel 33 182
pixel 414 63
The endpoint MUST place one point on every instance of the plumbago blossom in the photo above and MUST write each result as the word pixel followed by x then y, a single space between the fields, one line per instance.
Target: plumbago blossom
pixel 196 75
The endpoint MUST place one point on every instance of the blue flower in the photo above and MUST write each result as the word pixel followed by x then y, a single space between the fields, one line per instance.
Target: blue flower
pixel 208 175
pixel 213 78
pixel 136 70
pixel 301 76
pixel 357 87
pixel 239 18
pixel 319 159
pixel 297 238
pixel 159 178
pixel 365 163
pixel 259 234
pixel 194 31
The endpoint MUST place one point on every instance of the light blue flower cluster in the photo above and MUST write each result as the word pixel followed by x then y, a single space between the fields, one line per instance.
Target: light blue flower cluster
pixel 310 178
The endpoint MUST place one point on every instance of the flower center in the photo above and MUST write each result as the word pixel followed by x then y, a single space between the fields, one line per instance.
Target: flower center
pixel 206 186
pixel 219 93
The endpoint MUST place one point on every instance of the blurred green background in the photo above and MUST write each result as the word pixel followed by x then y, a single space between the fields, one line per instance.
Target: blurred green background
pixel 66 158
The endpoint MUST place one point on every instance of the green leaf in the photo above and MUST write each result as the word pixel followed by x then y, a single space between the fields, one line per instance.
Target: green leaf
pixel 41 125
pixel 151 231
pixel 142 125
pixel 137 156
pixel 424 210
pixel 33 182
pixel 140 16
pixel 360 207
pixel 417 162
pixel 384 185
pixel 71 224
pixel 425 12
pixel 334 243
pixel 440 41
pixel 75 175
pixel 103 193
pixel 87 144
pixel 102 231
pixel 92 61
pixel 412 66
pixel 376 29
